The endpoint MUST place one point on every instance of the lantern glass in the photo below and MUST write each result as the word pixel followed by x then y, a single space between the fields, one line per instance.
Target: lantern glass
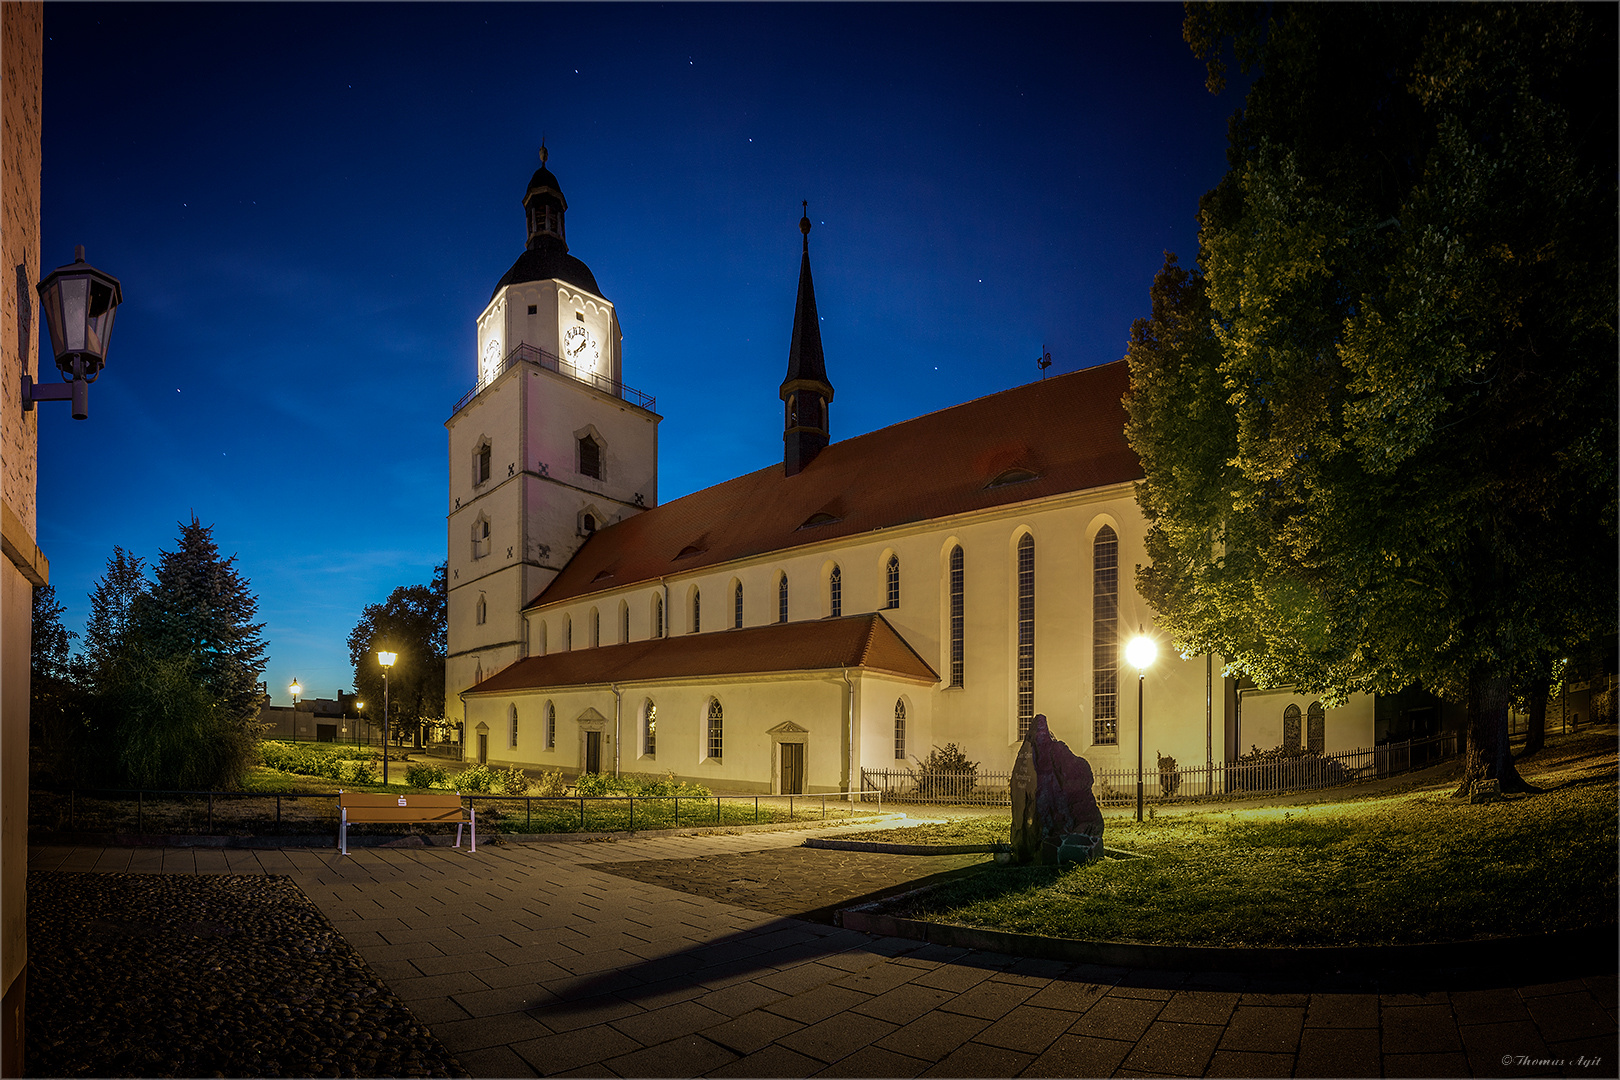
pixel 78 303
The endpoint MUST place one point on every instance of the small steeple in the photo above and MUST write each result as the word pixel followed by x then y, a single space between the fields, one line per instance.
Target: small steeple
pixel 805 392
pixel 544 206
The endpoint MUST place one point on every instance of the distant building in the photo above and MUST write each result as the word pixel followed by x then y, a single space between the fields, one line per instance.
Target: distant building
pixel 847 608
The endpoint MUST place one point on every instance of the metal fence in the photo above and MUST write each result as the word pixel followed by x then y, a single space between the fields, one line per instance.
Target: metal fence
pixel 552 362
pixel 1117 787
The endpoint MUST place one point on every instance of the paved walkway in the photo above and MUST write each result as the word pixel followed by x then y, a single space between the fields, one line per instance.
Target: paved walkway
pixel 528 960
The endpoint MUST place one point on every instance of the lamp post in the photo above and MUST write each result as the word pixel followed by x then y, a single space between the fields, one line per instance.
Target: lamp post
pixel 1139 654
pixel 296 690
pixel 78 302
pixel 386 659
pixel 358 719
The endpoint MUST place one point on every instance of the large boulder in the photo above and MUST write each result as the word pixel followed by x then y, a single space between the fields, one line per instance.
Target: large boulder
pixel 1055 817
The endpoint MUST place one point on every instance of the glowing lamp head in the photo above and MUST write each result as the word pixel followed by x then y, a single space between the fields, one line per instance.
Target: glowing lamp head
pixel 359 705
pixel 1139 653
pixel 386 659
pixel 295 688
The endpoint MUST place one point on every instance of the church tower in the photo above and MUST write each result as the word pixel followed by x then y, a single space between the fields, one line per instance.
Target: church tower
pixel 548 446
pixel 805 392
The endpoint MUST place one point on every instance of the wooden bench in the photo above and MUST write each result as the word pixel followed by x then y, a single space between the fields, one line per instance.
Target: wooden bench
pixel 413 808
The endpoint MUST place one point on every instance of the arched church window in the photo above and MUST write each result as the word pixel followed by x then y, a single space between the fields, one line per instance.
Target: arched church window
pixel 568 634
pixel 481 465
pixel 482 611
pixel 835 591
pixel 658 616
pixel 717 728
pixel 900 729
pixel 596 628
pixel 590 458
pixel 1315 728
pixel 1105 637
pixel 958 619
pixel 511 727
pixel 649 729
pixel 781 598
pixel 480 538
pixel 1291 728
pixel 697 610
pixel 624 622
pixel 1026 633
pixel 892 572
pixel 736 607
pixel 551 726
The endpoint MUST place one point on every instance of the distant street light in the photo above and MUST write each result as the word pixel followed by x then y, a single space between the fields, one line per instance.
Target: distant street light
pixel 1139 654
pixel 386 659
pixel 296 690
pixel 358 705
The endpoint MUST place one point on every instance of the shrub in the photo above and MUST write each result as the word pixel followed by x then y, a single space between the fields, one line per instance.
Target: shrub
pixel 476 778
pixel 1280 768
pixel 361 772
pixel 551 784
pixel 513 781
pixel 423 774
pixel 947 773
pixel 666 787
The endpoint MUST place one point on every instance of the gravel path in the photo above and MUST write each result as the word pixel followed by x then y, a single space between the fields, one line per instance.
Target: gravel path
pixel 205 975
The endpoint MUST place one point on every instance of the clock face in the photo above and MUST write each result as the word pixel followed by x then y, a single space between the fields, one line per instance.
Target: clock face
pixel 579 347
pixel 492 358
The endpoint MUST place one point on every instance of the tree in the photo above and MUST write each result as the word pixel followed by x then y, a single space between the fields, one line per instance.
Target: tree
pixel 1408 473
pixel 199 607
pixel 52 687
pixel 107 630
pixel 413 623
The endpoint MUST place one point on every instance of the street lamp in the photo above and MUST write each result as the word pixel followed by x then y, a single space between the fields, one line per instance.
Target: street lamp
pixel 78 302
pixel 386 659
pixel 358 706
pixel 296 690
pixel 1139 654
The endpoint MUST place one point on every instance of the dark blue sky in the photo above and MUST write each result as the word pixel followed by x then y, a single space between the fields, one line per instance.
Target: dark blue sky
pixel 309 205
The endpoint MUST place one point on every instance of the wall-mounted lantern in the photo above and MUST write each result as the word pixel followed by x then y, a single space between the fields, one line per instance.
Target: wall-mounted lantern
pixel 79 302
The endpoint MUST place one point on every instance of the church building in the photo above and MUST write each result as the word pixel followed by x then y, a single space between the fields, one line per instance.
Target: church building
pixel 849 607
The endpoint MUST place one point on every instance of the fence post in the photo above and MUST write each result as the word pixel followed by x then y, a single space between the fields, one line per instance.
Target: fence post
pixel 632 813
pixel 73 808
pixel 582 813
pixel 717 809
pixel 210 811
pixel 528 813
pixel 278 810
pixel 139 808
pixel 756 809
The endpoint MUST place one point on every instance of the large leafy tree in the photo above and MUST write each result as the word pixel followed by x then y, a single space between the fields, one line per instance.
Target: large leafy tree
pixel 1391 456
pixel 413 623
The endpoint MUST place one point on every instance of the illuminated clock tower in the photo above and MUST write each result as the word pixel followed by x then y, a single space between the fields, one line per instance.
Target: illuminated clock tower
pixel 548 445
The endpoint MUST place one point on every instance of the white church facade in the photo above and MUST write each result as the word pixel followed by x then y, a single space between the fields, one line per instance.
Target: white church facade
pixel 849 607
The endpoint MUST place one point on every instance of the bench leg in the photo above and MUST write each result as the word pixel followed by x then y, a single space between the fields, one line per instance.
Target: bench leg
pixel 472 818
pixel 343 835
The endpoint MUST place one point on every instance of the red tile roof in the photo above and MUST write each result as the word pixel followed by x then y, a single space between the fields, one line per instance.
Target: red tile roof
pixel 855 641
pixel 1068 431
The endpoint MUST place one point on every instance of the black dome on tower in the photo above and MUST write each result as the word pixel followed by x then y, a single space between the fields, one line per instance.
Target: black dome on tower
pixel 546 253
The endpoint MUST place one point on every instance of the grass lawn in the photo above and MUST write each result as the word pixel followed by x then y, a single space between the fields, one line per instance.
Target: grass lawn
pixel 1403 868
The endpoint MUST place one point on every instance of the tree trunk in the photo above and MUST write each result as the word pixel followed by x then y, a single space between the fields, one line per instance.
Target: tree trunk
pixel 1486 756
pixel 1537 738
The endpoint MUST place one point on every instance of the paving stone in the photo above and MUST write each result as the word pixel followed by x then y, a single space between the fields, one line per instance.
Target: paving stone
pixel 434 986
pixel 1079 1055
pixel 953 977
pixel 505 999
pixel 1419 1029
pixel 569 1015
pixel 1273 999
pixel 815 1005
pixel 495 1061
pixel 1026 1028
pixel 752 1031
pixel 1342 1011
pixel 670 1022
pixel 989 1000
pixel 1567 986
pixel 772 1061
pixel 976 1059
pixel 739 998
pixel 877 979
pixel 690 1055
pixel 1488 1044
pixel 1176 1049
pixel 571 1049
pixel 903 1004
pixel 1605 989
pixel 1338 1052
pixel 837 1037
pixel 435 1010
pixel 800 977
pixel 1425 1065
pixel 655 995
pixel 1243 1063
pixel 932 1035
pixel 1117 1018
pixel 480 1032
pixel 1264 1029
pixel 1199 1007
pixel 1569 1016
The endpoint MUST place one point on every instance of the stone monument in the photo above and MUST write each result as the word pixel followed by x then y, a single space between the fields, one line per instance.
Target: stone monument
pixel 1055 817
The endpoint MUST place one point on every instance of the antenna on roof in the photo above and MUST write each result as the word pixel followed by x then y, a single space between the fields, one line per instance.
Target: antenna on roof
pixel 1044 362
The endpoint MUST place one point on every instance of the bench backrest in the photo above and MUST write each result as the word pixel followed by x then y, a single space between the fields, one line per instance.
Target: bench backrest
pixel 413 806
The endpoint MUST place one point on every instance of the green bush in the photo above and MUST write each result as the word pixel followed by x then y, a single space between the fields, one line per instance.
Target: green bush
pixel 343 764
pixel 603 784
pixel 361 772
pixel 551 784
pixel 476 778
pixel 513 781
pixel 423 774
pixel 947 773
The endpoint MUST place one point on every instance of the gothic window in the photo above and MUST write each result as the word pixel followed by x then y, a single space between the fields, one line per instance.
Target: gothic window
pixel 697 610
pixel 736 607
pixel 1026 633
pixel 1291 728
pixel 958 609
pixel 511 726
pixel 590 458
pixel 1105 637
pixel 781 598
pixel 551 726
pixel 1315 728
pixel 892 572
pixel 649 729
pixel 658 616
pixel 568 634
pixel 717 728
pixel 481 463
pixel 480 537
pixel 900 729
pixel 542 638
pixel 596 628
pixel 482 611
pixel 624 622
pixel 835 591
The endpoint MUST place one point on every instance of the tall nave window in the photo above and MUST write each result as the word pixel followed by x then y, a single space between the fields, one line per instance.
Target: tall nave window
pixel 1026 633
pixel 1105 637
pixel 958 610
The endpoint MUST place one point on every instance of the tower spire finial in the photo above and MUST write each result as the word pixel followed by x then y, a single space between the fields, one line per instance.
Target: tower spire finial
pixel 543 154
pixel 804 223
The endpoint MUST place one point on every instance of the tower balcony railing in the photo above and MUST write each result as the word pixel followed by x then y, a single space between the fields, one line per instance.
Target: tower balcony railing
pixel 526 353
